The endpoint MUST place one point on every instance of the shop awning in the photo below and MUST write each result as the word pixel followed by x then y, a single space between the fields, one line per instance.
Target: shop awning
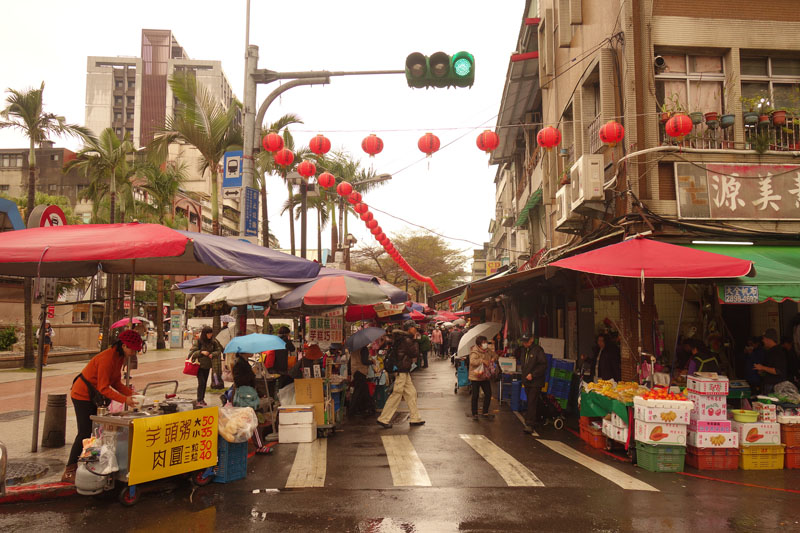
pixel 533 200
pixel 777 273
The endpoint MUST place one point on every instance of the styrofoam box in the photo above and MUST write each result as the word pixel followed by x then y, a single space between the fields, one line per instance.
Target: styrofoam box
pixel 618 422
pixel 767 412
pixel 508 364
pixel 787 419
pixel 297 433
pixel 710 426
pixel 761 433
pixel 608 428
pixel 712 440
pixel 291 415
pixel 662 411
pixel 620 434
pixel 708 386
pixel 709 407
pixel 675 433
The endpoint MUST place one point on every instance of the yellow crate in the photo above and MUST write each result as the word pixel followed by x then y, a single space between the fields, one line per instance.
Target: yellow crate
pixel 761 457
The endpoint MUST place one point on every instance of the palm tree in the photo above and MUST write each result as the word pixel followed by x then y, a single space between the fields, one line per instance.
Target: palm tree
pixel 203 122
pixel 265 164
pixel 320 205
pixel 299 155
pixel 24 111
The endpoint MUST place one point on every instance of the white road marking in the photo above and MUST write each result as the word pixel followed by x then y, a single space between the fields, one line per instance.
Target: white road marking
pixel 610 473
pixel 522 419
pixel 310 462
pixel 407 470
pixel 512 471
pixel 256 491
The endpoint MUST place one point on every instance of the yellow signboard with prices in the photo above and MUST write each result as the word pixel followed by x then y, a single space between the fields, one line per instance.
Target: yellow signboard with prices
pixel 173 444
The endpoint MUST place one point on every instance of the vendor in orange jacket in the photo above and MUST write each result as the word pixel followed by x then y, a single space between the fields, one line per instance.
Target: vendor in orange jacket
pixel 104 374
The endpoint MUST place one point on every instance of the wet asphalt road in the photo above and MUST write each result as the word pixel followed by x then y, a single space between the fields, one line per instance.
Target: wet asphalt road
pixel 467 493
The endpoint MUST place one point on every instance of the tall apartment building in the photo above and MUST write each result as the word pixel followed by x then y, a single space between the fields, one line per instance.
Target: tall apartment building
pixel 131 95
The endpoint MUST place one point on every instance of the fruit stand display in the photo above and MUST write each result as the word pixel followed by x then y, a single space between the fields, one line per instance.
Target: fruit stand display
pixel 712 441
pixel 661 418
pixel 613 402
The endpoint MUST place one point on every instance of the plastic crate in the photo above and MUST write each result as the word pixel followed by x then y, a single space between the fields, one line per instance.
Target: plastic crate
pixel 559 388
pixel 232 461
pixel 660 458
pixel 790 434
pixel 761 457
pixel 563 403
pixel 516 386
pixel 561 374
pixel 593 437
pixel 563 364
pixel 792 458
pixel 712 458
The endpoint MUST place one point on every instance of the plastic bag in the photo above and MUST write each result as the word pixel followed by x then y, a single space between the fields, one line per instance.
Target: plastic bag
pixel 286 395
pixel 106 462
pixel 236 424
pixel 116 407
pixel 787 390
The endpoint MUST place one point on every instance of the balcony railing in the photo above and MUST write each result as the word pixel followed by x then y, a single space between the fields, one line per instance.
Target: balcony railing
pixel 765 134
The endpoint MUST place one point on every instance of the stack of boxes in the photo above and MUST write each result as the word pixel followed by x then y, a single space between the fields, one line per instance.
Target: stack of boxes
pixel 559 380
pixel 713 444
pixel 760 442
pixel 297 423
pixel 660 432
pixel 615 428
pixel 310 391
pixel 790 437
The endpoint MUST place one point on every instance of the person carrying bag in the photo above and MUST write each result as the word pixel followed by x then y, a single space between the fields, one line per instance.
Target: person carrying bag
pixel 204 350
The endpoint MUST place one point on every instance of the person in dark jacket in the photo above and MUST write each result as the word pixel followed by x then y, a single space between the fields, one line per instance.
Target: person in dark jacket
pixel 454 338
pixel 606 362
pixel 703 359
pixel 534 373
pixel 204 350
pixel 773 369
pixel 424 347
pixel 406 351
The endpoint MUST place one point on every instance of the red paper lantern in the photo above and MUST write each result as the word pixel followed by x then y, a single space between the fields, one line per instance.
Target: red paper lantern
pixel 344 189
pixel 307 169
pixel 372 223
pixel 354 197
pixel 361 208
pixel 376 229
pixel 383 242
pixel 326 180
pixel 548 137
pixel 372 144
pixel 428 143
pixel 611 133
pixel 488 141
pixel 320 144
pixel 272 142
pixel 284 157
pixel 366 216
pixel 679 127
pixel 380 236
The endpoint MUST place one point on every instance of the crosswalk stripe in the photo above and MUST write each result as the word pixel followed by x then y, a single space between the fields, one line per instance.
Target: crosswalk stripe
pixel 512 471
pixel 522 419
pixel 407 470
pixel 310 462
pixel 610 473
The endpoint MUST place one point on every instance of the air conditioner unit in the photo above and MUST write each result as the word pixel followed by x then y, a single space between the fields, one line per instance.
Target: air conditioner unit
pixel 566 220
pixel 586 178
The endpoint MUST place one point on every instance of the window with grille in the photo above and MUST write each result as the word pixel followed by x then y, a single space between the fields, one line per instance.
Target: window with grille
pixel 690 83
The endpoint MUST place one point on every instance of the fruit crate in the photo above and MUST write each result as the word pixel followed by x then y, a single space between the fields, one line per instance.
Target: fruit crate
pixel 761 457
pixel 559 388
pixel 232 461
pixel 790 434
pixel 793 458
pixel 563 364
pixel 593 437
pixel 659 458
pixel 561 374
pixel 712 458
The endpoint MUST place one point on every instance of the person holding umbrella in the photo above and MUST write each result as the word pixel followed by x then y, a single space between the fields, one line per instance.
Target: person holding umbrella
pixel 404 353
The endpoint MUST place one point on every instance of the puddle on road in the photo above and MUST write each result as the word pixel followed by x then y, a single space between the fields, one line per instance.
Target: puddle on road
pixel 389 525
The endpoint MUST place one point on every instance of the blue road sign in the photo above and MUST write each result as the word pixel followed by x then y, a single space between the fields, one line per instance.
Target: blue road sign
pixel 250 212
pixel 232 169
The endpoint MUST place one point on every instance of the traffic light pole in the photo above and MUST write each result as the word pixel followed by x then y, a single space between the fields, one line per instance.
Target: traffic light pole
pixel 252 120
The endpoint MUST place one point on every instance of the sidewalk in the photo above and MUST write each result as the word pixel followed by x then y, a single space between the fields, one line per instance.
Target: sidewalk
pixel 16 408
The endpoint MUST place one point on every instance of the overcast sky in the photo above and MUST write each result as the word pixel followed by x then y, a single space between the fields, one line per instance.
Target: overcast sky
pixel 50 41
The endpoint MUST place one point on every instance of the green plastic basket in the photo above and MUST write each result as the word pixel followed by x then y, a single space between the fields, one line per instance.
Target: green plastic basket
pixel 561 374
pixel 660 458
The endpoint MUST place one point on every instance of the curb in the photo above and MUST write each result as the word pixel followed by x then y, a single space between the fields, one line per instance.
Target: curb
pixel 36 493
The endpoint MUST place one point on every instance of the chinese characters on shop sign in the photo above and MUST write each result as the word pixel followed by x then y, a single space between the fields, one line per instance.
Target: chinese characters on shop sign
pixel 324 329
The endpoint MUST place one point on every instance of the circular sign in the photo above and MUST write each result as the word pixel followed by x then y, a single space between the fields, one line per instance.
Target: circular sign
pixel 47 216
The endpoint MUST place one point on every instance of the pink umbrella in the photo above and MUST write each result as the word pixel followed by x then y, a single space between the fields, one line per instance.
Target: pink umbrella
pixel 124 322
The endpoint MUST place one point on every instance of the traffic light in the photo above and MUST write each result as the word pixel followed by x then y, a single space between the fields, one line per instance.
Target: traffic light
pixel 440 70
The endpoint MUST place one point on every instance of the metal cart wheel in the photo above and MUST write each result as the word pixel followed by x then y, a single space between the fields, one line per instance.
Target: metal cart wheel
pixel 201 478
pixel 558 423
pixel 129 496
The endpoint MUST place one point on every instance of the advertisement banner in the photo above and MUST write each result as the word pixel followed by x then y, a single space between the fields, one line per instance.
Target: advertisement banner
pixel 492 267
pixel 168 445
pixel 383 310
pixel 324 329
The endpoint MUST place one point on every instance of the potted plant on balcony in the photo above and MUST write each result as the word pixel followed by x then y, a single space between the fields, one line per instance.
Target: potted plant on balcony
pixel 753 105
pixel 671 106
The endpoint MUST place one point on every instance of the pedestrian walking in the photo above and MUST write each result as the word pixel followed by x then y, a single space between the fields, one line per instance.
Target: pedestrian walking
pixel 424 347
pixel 99 382
pixel 404 353
pixel 48 340
pixel 480 357
pixel 204 350
pixel 436 339
pixel 534 369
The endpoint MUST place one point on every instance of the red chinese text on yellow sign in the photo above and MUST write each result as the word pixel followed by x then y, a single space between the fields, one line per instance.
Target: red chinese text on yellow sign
pixel 169 445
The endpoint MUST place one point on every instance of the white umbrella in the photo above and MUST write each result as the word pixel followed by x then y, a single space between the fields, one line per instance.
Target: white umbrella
pixel 459 322
pixel 246 291
pixel 487 329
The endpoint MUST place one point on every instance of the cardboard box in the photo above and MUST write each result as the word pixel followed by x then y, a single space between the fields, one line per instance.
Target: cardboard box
pixel 319 413
pixel 767 412
pixel 297 433
pixel 757 433
pixel 619 434
pixel 707 385
pixel 720 439
pixel 508 364
pixel 662 411
pixel 308 391
pixel 291 415
pixel 608 428
pixel 617 422
pixel 660 433
pixel 710 426
pixel 709 407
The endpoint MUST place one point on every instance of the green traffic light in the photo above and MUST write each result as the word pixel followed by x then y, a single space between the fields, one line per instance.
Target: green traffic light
pixel 464 69
pixel 462 66
pixel 440 70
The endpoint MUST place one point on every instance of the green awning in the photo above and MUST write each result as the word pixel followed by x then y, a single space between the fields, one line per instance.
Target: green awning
pixel 533 199
pixel 777 273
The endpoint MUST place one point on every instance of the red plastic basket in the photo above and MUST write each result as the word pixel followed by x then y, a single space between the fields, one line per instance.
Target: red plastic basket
pixel 793 458
pixel 712 458
pixel 593 437
pixel 790 434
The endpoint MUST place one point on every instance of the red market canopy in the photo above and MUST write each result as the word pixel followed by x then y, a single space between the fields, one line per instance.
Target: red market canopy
pixel 332 291
pixel 83 250
pixel 644 258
